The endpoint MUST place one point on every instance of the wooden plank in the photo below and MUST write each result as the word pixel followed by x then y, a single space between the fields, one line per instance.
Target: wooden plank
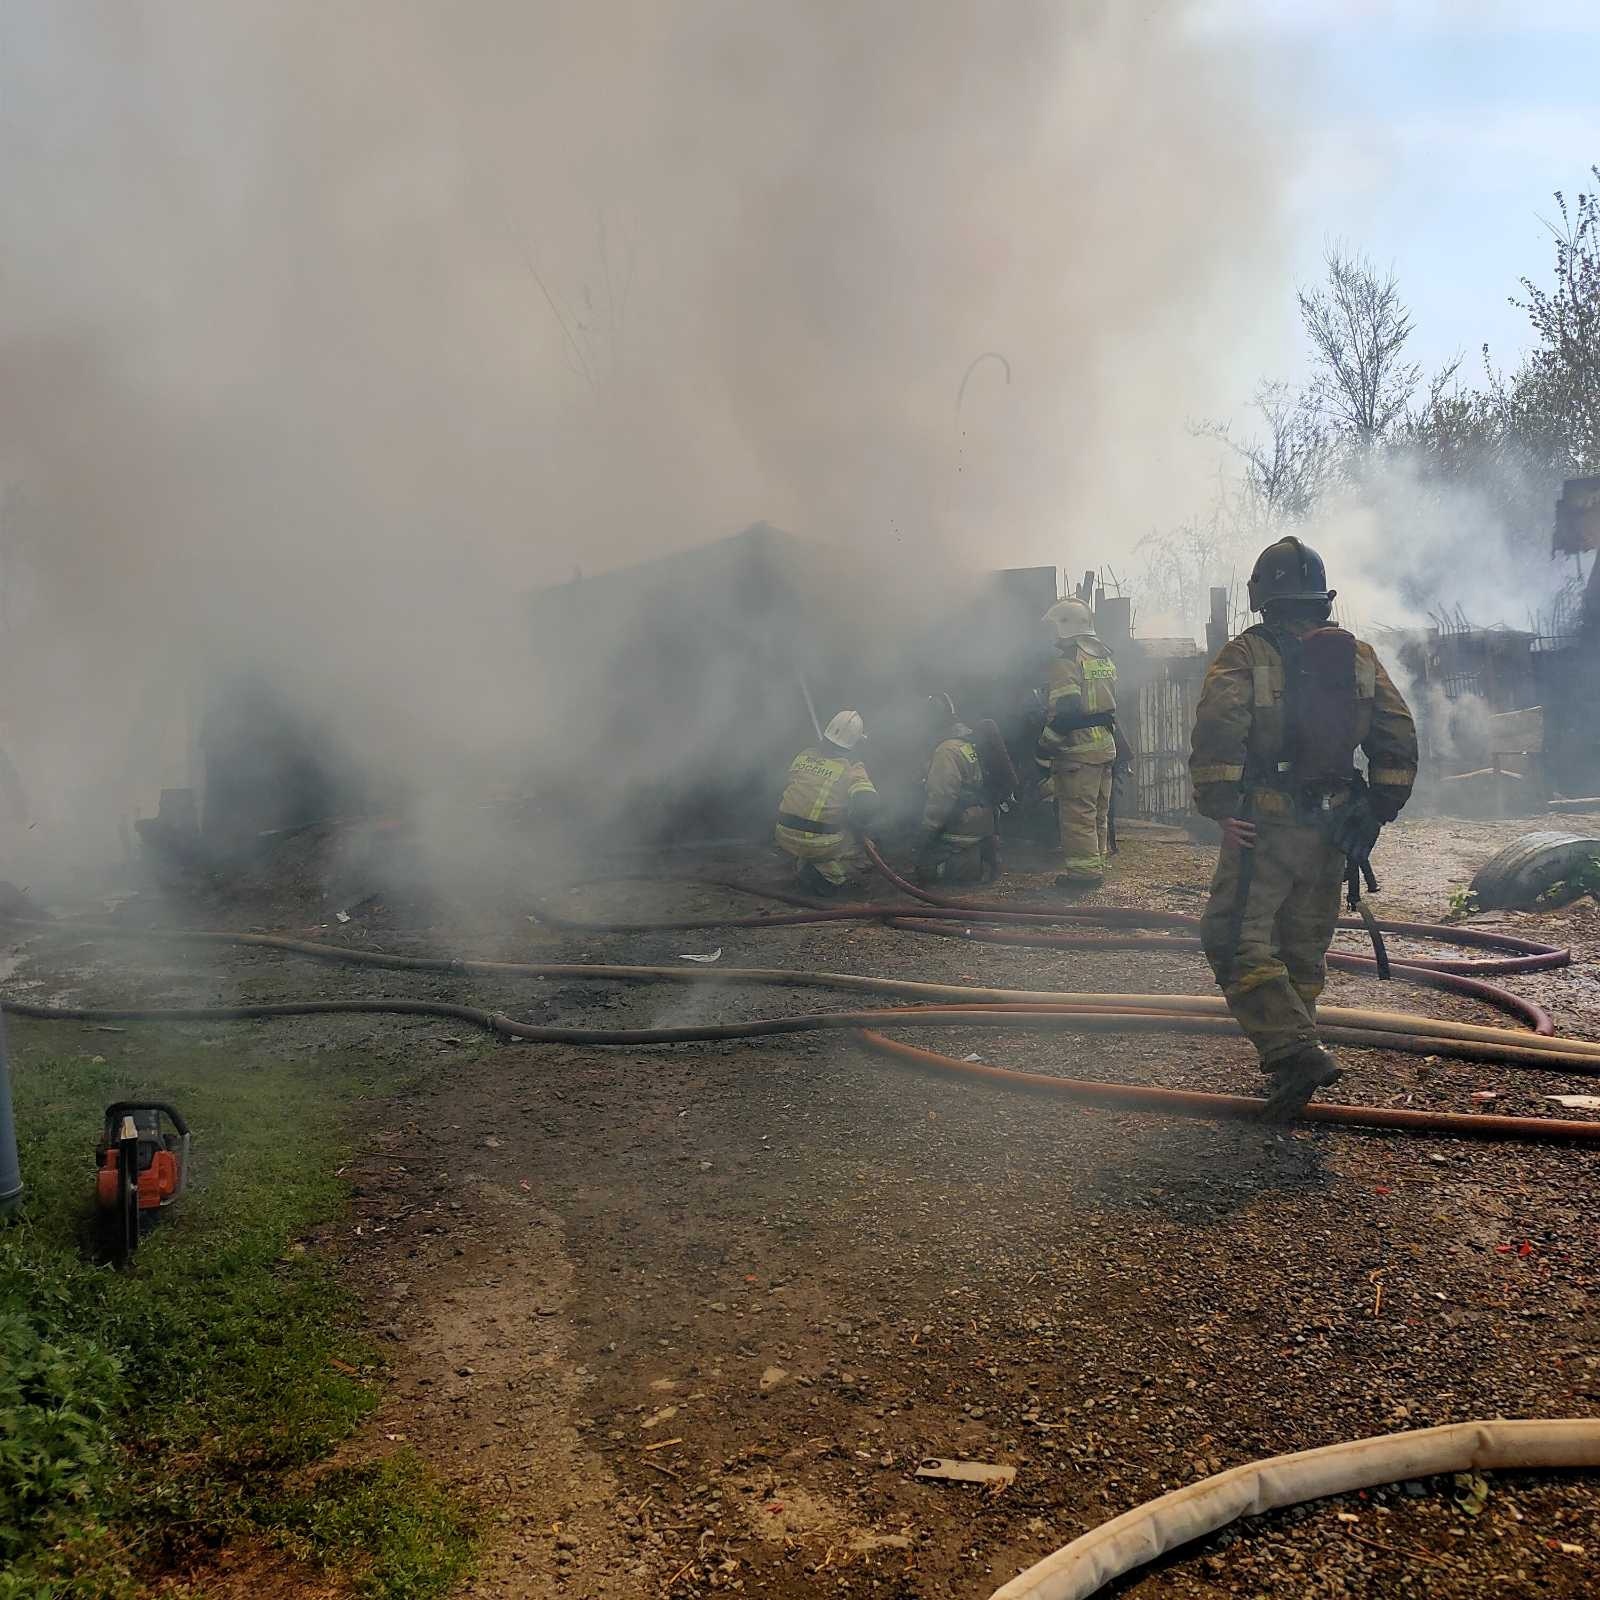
pixel 1517 732
pixel 1217 627
pixel 1483 774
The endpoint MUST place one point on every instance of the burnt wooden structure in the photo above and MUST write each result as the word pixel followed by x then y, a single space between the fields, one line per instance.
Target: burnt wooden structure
pixel 1567 668
pixel 677 689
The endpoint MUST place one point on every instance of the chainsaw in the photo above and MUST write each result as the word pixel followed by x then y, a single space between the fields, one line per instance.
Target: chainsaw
pixel 143 1168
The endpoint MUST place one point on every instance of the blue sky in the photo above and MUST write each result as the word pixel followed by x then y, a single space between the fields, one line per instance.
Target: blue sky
pixel 1432 136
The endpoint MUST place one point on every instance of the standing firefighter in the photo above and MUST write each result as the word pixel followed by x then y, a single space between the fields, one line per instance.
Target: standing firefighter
pixel 1284 709
pixel 1078 747
pixel 827 802
pixel 969 774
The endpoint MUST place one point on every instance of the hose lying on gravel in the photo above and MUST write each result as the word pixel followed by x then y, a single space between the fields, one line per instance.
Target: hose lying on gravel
pixel 1528 954
pixel 1429 975
pixel 1198 1103
pixel 970 1005
pixel 1523 955
pixel 1085 1566
pixel 900 988
pixel 1454 975
pixel 1518 954
pixel 1077 1013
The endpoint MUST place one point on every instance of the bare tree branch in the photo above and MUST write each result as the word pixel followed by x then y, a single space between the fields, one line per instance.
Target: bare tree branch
pixel 1562 377
pixel 1284 470
pixel 1358 326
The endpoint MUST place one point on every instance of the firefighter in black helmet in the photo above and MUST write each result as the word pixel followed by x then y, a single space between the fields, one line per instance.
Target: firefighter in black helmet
pixel 1284 709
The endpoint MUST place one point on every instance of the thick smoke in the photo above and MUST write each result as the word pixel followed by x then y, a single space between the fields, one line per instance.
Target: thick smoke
pixel 332 329
pixel 1409 547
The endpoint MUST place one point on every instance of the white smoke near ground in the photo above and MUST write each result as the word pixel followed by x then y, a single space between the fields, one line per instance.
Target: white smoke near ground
pixel 331 330
pixel 1410 552
pixel 1407 548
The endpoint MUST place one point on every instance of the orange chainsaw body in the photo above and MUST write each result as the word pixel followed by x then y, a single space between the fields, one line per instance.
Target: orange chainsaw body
pixel 158 1182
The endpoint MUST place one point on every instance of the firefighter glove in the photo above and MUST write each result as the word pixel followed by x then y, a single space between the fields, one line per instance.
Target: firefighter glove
pixel 1356 831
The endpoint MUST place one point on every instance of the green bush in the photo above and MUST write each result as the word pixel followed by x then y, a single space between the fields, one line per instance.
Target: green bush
pixel 57 1447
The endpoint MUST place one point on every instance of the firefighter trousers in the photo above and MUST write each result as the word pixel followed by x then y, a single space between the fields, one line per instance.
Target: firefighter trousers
pixel 1273 978
pixel 1083 809
pixel 963 852
pixel 957 860
pixel 836 857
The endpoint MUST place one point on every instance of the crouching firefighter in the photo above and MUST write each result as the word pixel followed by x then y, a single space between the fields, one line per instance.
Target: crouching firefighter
pixel 1077 747
pixel 828 803
pixel 1284 709
pixel 969 776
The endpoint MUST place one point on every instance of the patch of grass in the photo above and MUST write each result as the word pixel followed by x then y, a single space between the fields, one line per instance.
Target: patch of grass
pixel 388 1524
pixel 149 1417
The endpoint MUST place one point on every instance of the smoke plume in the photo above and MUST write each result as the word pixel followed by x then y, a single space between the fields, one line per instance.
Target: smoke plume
pixel 332 329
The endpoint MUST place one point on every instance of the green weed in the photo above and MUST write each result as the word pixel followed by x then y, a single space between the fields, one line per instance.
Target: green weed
pixel 149 1417
pixel 1584 879
pixel 388 1524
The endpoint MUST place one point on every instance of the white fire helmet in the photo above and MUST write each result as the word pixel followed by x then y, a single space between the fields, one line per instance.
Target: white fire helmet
pixel 1071 618
pixel 847 730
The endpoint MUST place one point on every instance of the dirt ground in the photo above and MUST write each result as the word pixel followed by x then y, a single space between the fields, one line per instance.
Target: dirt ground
pixel 686 1320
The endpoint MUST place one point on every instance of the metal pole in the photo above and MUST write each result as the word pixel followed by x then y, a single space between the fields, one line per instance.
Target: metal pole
pixel 10 1169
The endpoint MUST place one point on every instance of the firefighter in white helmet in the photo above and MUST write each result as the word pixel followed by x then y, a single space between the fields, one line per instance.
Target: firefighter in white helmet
pixel 1077 748
pixel 828 802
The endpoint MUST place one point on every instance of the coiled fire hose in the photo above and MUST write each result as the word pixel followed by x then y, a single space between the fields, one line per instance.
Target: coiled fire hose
pixel 1085 1566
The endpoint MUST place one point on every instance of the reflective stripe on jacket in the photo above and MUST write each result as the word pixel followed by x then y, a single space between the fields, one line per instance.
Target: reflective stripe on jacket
pixel 820 788
pixel 1083 677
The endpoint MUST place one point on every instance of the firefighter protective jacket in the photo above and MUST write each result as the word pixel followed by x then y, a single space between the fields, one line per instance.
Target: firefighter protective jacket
pixel 1083 680
pixel 1240 733
pixel 957 802
pixel 821 789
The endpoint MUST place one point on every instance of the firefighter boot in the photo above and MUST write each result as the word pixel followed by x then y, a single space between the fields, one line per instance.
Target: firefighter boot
pixel 1295 1079
pixel 813 883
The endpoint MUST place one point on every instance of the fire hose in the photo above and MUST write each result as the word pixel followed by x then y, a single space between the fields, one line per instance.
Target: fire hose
pixel 1523 955
pixel 1085 1566
pixel 1428 1030
pixel 1428 975
pixel 1520 955
pixel 972 1006
pixel 1455 975
pixel 1376 1028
